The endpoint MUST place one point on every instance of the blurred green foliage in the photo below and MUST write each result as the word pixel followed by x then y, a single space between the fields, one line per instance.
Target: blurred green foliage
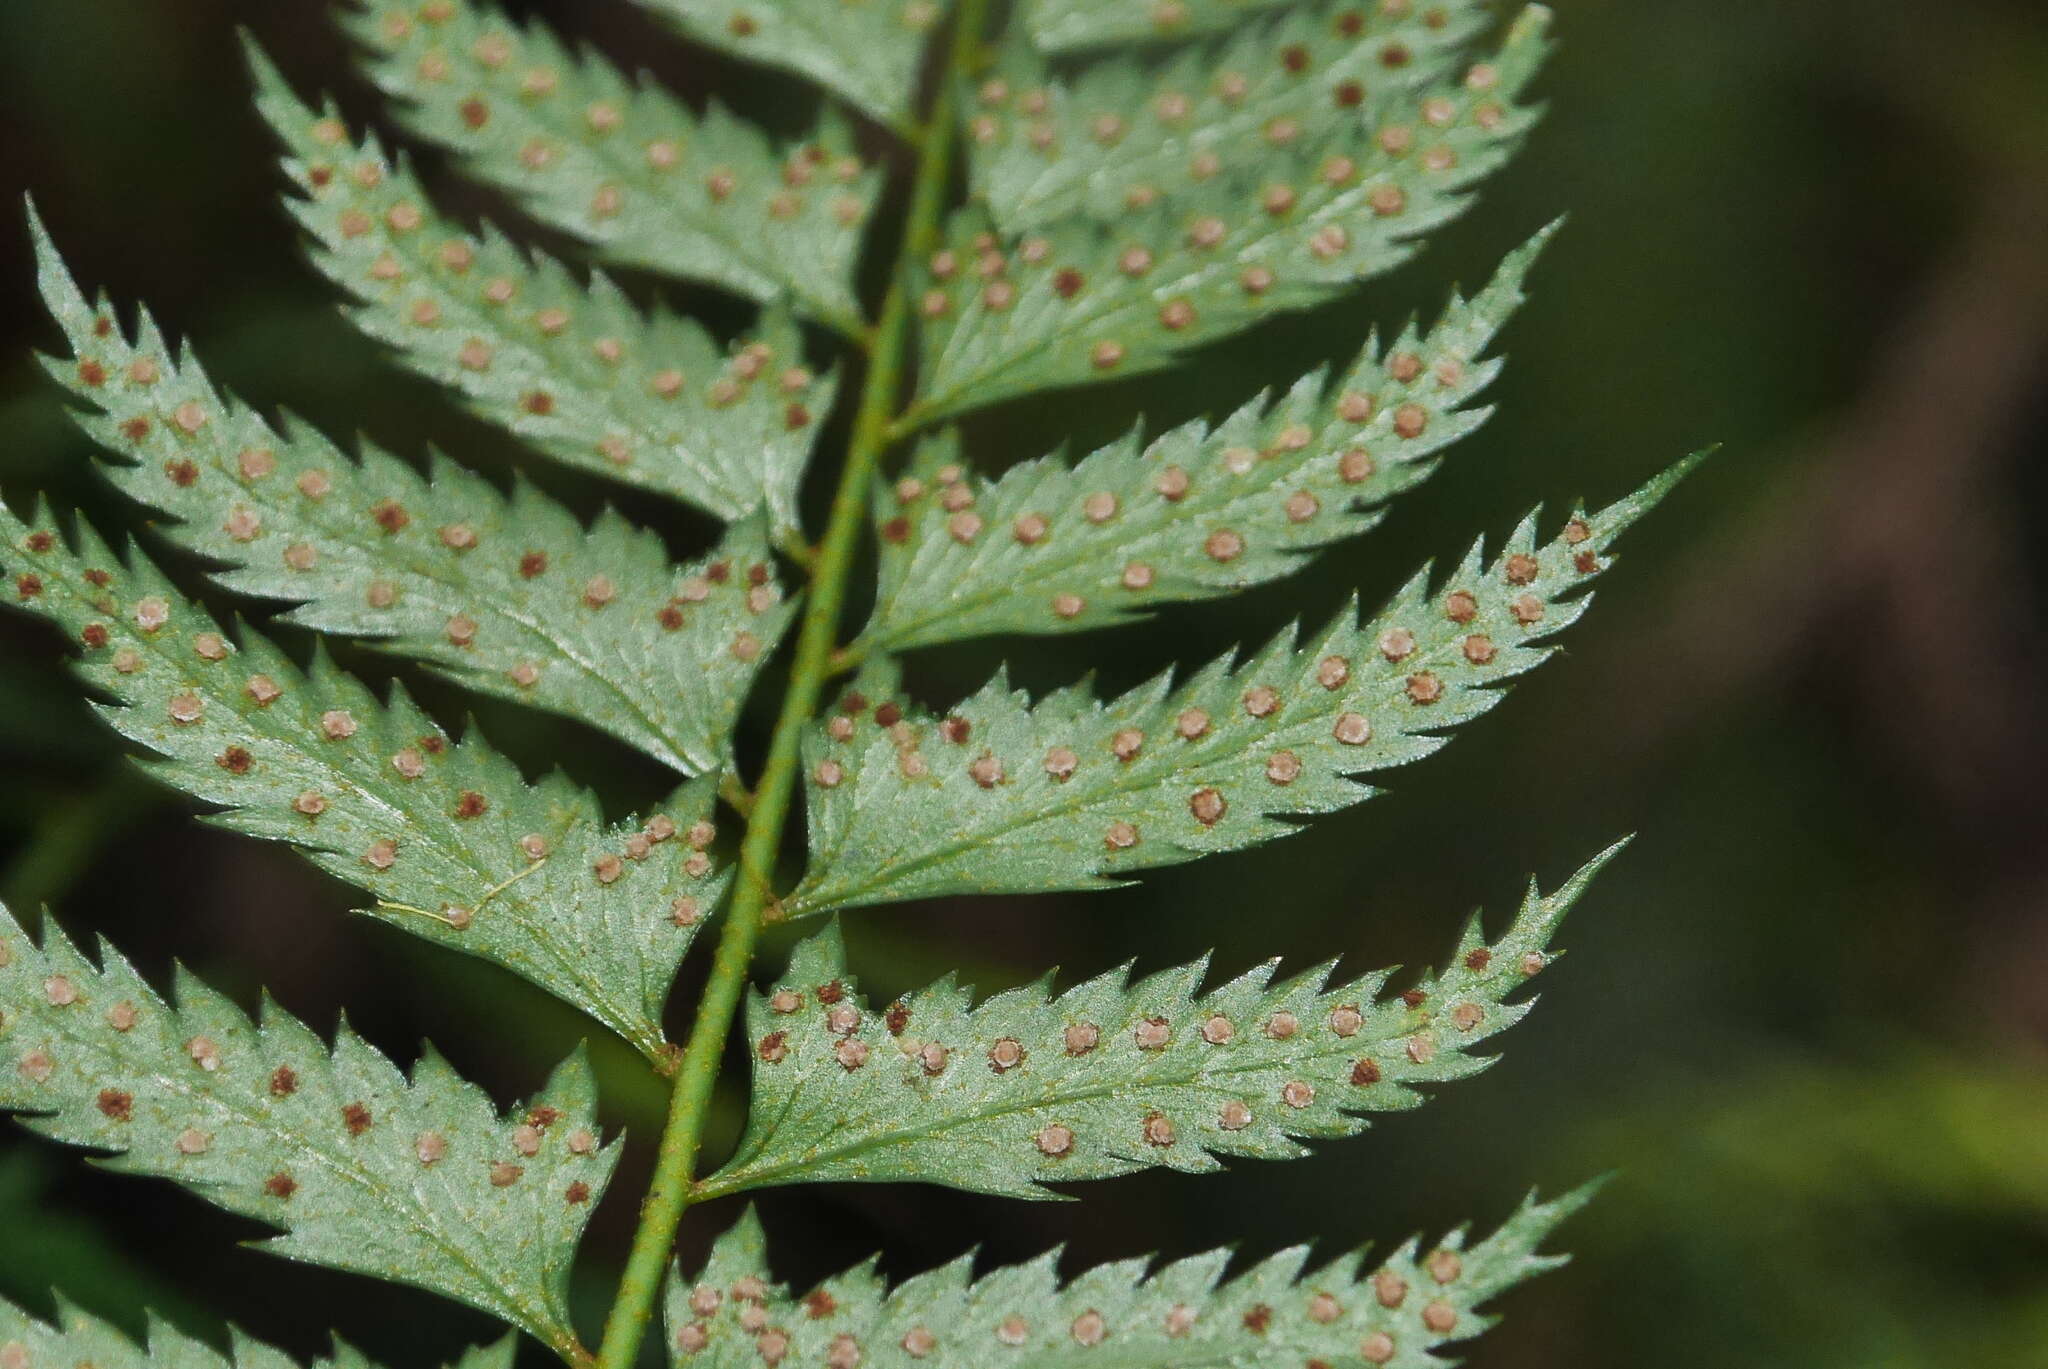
pixel 1803 1018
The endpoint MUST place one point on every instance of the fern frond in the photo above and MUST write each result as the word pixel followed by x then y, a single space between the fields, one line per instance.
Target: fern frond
pixel 1277 1314
pixel 1059 25
pixel 1195 513
pixel 1004 796
pixel 868 52
pixel 625 165
pixel 510 596
pixel 420 1180
pixel 78 1338
pixel 651 401
pixel 451 840
pixel 1109 1077
pixel 1083 301
pixel 1127 131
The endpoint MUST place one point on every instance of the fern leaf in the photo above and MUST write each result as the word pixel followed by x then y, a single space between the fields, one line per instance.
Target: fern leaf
pixel 447 836
pixel 1004 796
pixel 1277 1314
pixel 1109 1077
pixel 1199 511
pixel 625 165
pixel 867 52
pixel 1125 132
pixel 1083 301
pixel 77 1338
pixel 512 597
pixel 418 1180
pixel 1059 25
pixel 651 401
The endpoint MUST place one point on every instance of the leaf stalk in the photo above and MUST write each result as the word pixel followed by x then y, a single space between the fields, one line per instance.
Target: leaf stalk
pixel 873 431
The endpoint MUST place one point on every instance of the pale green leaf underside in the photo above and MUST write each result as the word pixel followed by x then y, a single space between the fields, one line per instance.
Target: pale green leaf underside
pixel 447 835
pixel 1109 1077
pixel 512 597
pixel 1058 24
pixel 868 52
pixel 650 400
pixel 418 1180
pixel 1195 513
pixel 1084 301
pixel 627 166
pixel 1132 128
pixel 1277 1314
pixel 78 1338
pixel 1006 796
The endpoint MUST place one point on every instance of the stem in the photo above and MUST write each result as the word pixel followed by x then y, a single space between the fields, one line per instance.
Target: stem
pixel 736 794
pixel 909 421
pixel 675 1161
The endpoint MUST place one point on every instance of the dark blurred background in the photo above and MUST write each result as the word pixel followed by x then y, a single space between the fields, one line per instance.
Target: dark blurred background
pixel 1803 1018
